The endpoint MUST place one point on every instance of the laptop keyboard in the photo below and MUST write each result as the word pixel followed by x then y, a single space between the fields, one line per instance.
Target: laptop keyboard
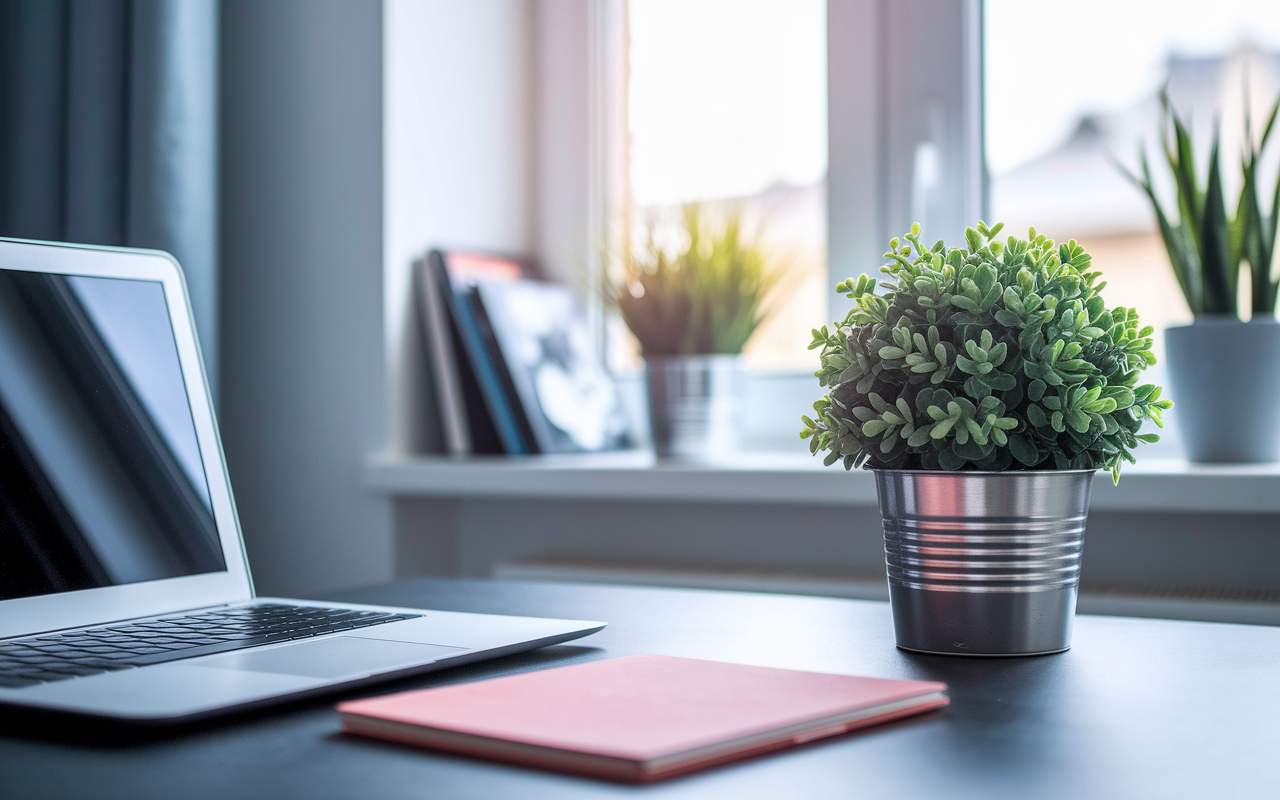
pixel 89 651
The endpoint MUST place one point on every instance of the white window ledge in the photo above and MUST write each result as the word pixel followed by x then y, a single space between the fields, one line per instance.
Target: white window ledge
pixel 784 479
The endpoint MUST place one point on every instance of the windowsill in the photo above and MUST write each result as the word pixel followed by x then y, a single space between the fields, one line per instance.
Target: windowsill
pixel 784 479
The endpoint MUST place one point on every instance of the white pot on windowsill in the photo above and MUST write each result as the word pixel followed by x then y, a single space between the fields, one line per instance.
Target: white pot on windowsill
pixel 1225 379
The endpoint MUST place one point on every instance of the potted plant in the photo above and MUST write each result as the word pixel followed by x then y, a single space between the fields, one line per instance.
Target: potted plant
pixel 1224 372
pixel 692 308
pixel 984 386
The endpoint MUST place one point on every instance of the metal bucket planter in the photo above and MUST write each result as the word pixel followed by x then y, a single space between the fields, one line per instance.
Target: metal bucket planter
pixel 983 563
pixel 695 405
pixel 1225 377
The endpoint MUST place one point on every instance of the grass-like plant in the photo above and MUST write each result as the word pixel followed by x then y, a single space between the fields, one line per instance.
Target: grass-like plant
pixel 1205 243
pixel 1258 230
pixel 998 356
pixel 709 296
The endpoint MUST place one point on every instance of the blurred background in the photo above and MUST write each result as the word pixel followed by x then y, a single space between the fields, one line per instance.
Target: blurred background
pixel 300 156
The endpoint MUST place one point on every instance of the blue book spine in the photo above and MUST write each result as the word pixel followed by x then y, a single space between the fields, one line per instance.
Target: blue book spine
pixel 487 375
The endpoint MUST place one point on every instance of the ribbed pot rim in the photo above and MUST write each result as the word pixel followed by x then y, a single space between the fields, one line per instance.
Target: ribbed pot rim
pixel 983 473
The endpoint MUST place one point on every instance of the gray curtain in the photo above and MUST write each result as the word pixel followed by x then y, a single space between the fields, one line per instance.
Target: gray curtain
pixel 108 132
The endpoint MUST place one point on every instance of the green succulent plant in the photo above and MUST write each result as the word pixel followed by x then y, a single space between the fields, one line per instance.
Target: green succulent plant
pixel 998 356
pixel 708 297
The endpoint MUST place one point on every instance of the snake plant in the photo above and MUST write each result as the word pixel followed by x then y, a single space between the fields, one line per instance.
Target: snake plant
pixel 1206 245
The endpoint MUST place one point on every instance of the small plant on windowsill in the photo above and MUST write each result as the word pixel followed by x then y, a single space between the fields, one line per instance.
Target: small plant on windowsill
pixel 984 386
pixel 1219 361
pixel 692 308
pixel 706 296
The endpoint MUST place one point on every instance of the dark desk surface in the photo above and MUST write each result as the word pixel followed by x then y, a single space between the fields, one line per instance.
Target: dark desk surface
pixel 1139 708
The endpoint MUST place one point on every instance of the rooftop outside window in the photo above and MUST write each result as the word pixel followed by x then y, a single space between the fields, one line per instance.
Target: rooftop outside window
pixel 1072 87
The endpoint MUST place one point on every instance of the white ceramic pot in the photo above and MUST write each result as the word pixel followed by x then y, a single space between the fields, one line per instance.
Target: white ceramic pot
pixel 1224 377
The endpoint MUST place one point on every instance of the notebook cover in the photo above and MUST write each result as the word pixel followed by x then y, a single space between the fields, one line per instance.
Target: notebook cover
pixel 638 718
pixel 544 349
pixel 514 401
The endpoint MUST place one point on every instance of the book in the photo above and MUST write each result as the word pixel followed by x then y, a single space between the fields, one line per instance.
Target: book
pixel 509 390
pixel 440 341
pixel 566 400
pixel 640 718
pixel 477 400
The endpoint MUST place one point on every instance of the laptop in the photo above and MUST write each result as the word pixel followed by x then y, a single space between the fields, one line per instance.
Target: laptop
pixel 124 588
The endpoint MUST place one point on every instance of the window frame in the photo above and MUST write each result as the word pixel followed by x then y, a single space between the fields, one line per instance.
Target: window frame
pixel 879 115
pixel 882 108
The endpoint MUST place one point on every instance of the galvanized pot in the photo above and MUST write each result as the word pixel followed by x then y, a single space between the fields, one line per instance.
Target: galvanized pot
pixel 983 563
pixel 695 405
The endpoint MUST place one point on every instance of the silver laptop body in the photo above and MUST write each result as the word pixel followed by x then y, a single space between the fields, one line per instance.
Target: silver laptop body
pixel 116 516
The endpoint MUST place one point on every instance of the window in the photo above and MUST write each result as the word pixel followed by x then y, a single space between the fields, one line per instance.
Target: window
pixel 1071 86
pixel 727 103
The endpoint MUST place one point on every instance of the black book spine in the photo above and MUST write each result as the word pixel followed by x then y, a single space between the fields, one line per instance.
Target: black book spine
pixel 519 413
pixel 484 433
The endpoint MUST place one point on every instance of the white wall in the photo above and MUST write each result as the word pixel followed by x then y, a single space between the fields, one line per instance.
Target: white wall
pixel 458 143
pixel 303 389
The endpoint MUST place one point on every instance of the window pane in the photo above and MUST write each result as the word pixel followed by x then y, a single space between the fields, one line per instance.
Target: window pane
pixel 1070 86
pixel 727 102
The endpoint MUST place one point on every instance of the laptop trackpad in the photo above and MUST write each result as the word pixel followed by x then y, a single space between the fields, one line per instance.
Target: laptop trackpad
pixel 337 657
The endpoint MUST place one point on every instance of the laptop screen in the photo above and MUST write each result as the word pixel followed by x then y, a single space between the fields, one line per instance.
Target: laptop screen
pixel 101 479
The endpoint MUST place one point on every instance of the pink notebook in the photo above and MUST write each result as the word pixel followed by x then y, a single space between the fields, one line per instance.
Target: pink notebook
pixel 639 718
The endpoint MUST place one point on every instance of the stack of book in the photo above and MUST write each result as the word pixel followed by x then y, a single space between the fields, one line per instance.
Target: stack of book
pixel 513 364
